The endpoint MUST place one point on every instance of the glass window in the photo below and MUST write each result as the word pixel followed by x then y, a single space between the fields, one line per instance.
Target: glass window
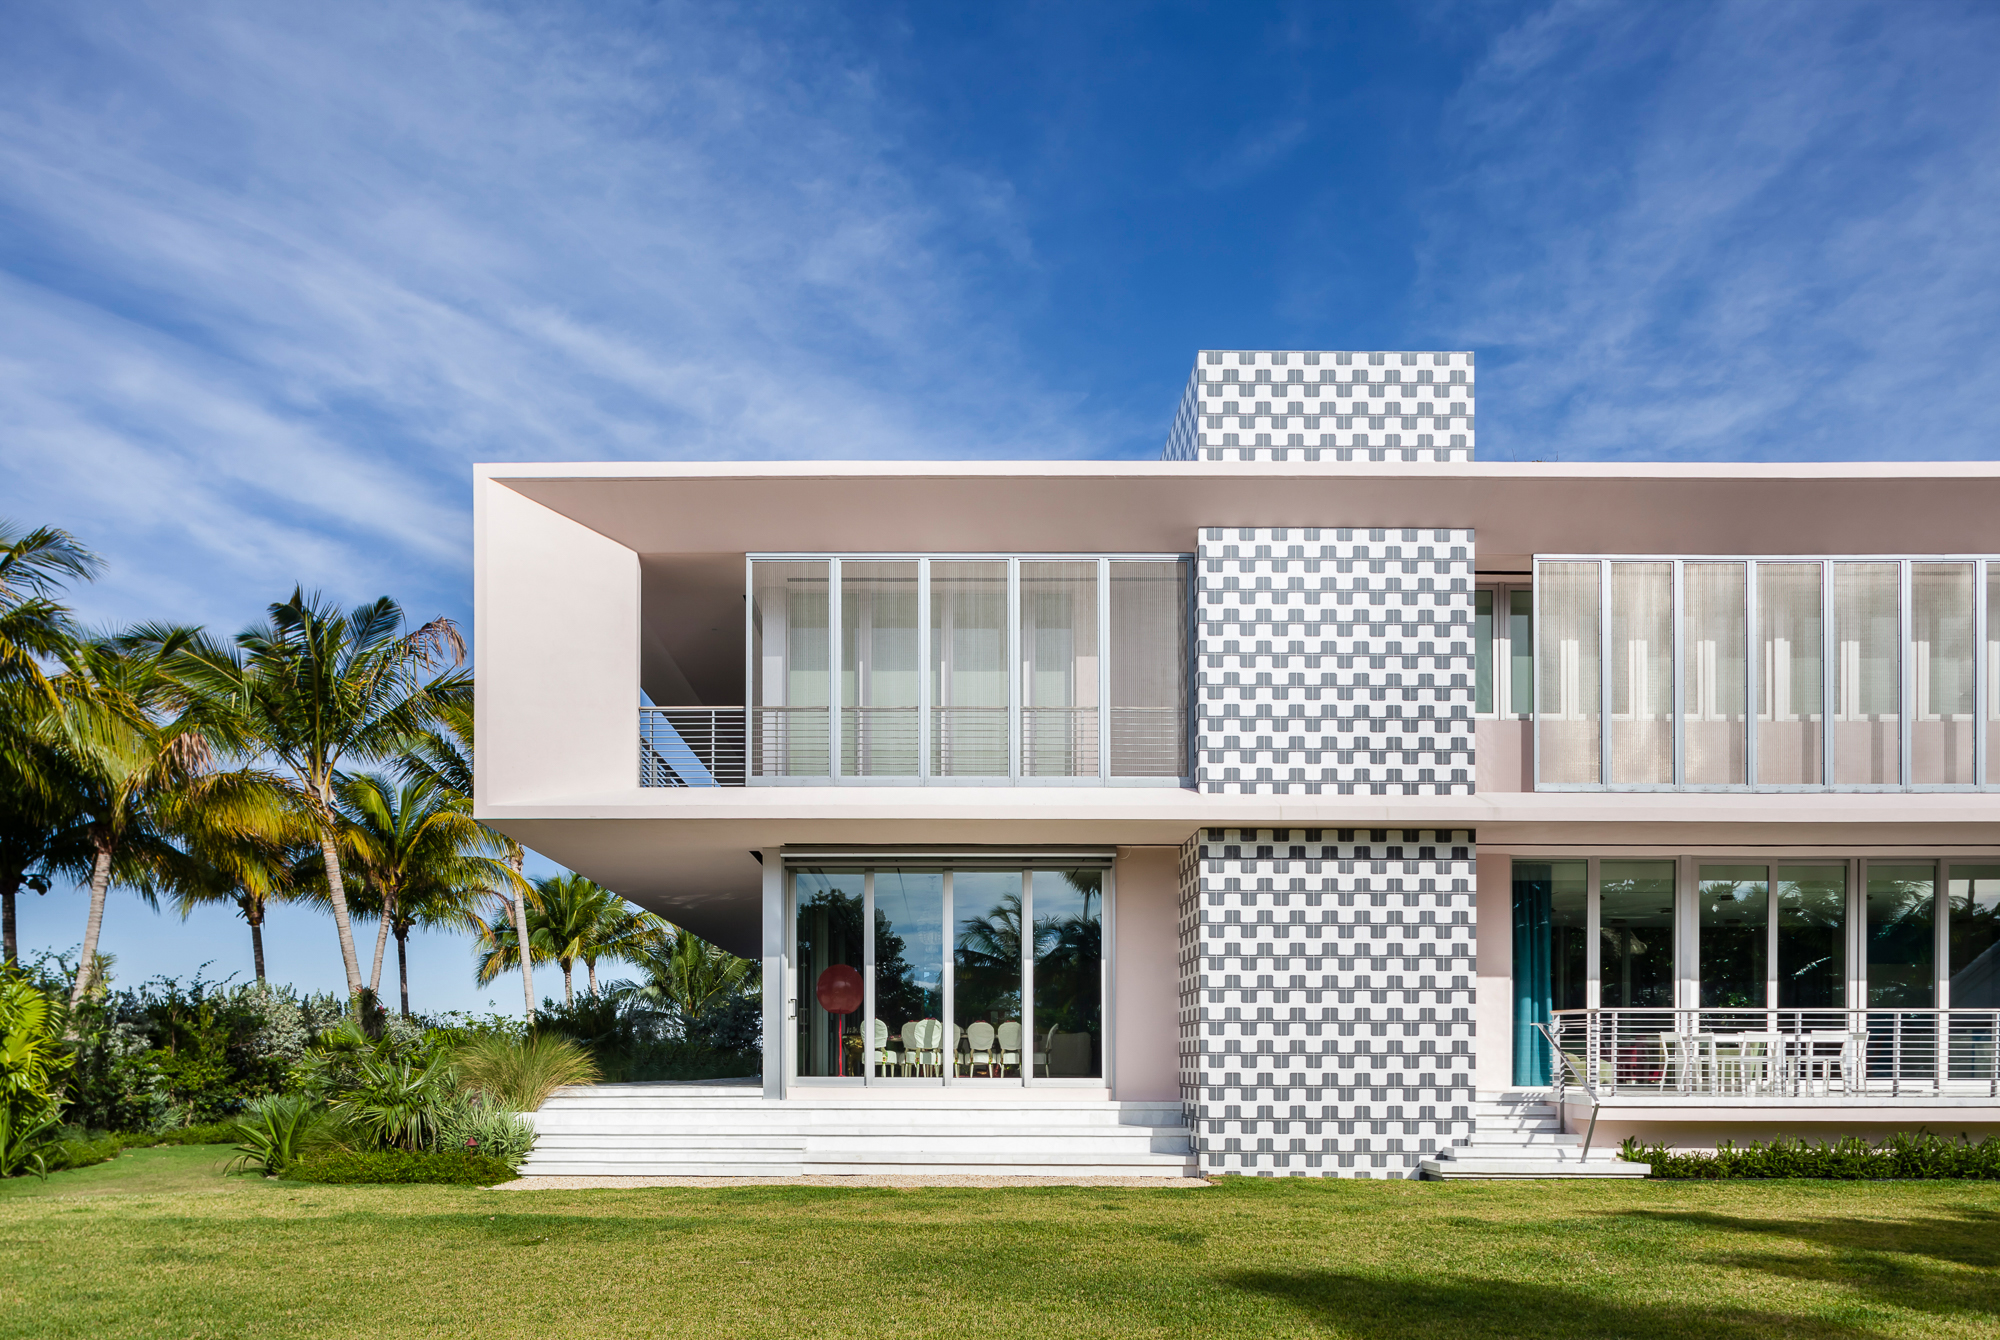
pixel 1790 703
pixel 1867 604
pixel 791 672
pixel 1902 938
pixel 1058 669
pixel 968 669
pixel 1149 659
pixel 1521 652
pixel 1974 936
pixel 1482 651
pixel 1567 674
pixel 986 972
pixel 1068 1038
pixel 1941 637
pixel 1550 963
pixel 878 669
pixel 1713 665
pixel 1642 673
pixel 1735 935
pixel 909 971
pixel 829 962
pixel 1635 919
pixel 1992 671
pixel 1812 936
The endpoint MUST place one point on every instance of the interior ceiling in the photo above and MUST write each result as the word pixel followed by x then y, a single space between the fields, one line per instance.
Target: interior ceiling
pixel 691 611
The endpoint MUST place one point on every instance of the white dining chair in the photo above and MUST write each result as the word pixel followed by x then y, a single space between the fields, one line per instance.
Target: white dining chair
pixel 913 1046
pixel 930 1039
pixel 979 1037
pixel 1008 1035
pixel 878 1047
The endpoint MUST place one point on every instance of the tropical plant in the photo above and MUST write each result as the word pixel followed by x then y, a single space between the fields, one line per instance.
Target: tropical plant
pixel 521 1075
pixel 41 830
pixel 572 919
pixel 471 1125
pixel 250 865
pixel 314 688
pixel 25 1140
pixel 396 1103
pixel 31 1067
pixel 34 566
pixel 689 977
pixel 278 1130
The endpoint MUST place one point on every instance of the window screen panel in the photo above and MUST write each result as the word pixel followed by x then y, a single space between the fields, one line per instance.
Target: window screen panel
pixel 878 669
pixel 1567 683
pixel 969 653
pixel 1149 669
pixel 1058 654
pixel 1642 673
pixel 1940 670
pixel 1790 703
pixel 790 679
pixel 1713 674
pixel 1867 684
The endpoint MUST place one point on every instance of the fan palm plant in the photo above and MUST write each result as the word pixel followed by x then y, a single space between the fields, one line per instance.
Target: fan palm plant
pixel 315 687
pixel 573 919
pixel 687 975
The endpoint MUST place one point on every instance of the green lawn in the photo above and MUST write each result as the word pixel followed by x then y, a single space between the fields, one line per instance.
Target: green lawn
pixel 157 1244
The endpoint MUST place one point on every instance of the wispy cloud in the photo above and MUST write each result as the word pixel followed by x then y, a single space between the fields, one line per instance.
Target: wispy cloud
pixel 1728 230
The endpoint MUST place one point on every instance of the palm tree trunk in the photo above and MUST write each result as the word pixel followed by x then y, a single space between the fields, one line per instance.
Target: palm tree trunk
pixel 381 943
pixel 100 882
pixel 338 891
pixel 569 996
pixel 10 939
pixel 520 907
pixel 253 912
pixel 403 966
pixel 591 964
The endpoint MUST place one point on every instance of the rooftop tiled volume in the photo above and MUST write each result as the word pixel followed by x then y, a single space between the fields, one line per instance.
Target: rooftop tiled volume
pixel 1319 405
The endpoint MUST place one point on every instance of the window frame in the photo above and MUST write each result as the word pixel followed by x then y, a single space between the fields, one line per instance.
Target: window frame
pixel 1503 650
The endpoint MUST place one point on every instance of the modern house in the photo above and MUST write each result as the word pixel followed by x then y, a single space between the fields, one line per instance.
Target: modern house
pixel 1315 800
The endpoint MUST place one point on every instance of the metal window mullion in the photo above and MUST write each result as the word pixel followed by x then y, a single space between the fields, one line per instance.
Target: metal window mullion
pixel 1678 671
pixel 1103 669
pixel 950 1006
pixel 751 695
pixel 1593 922
pixel 1753 674
pixel 1770 937
pixel 1828 671
pixel 1535 670
pixel 1941 938
pixel 1905 677
pixel 1027 978
pixel 1687 932
pixel 1107 976
pixel 925 690
pixel 1857 933
pixel 1604 673
pixel 867 979
pixel 1981 674
pixel 1013 643
pixel 833 651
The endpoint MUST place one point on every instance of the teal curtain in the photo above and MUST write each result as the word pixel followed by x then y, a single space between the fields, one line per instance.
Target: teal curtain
pixel 1533 888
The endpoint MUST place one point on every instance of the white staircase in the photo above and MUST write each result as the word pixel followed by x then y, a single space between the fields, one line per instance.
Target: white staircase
pixel 1520 1134
pixel 680 1130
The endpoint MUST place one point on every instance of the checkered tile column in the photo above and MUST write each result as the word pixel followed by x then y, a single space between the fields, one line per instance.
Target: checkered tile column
pixel 1327 1031
pixel 1303 405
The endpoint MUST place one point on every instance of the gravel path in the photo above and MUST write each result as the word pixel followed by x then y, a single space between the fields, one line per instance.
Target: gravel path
pixel 622 1183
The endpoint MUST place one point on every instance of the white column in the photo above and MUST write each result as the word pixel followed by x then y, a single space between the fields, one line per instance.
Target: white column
pixel 778 1003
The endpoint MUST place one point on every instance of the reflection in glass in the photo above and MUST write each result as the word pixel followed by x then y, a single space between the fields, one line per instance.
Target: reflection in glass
pixel 1713 663
pixel 1790 704
pixel 1867 702
pixel 878 669
pixel 1058 655
pixel 1567 688
pixel 789 647
pixel 1735 934
pixel 1149 603
pixel 1635 918
pixel 968 669
pixel 986 970
pixel 1482 652
pixel 1550 904
pixel 1974 936
pixel 1941 637
pixel 1812 936
pixel 1902 941
pixel 1068 1039
pixel 909 969
pixel 1521 653
pixel 1642 673
pixel 829 953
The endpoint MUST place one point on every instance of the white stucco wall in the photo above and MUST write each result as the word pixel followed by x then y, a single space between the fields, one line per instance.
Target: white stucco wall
pixel 1146 950
pixel 1494 1011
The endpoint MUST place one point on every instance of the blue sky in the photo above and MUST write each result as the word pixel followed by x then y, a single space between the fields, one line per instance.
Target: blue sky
pixel 274 275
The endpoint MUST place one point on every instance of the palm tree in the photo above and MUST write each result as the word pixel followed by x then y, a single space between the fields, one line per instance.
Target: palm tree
pixel 34 565
pixel 251 867
pixel 443 756
pixel 414 842
pixel 314 688
pixel 574 918
pixel 687 975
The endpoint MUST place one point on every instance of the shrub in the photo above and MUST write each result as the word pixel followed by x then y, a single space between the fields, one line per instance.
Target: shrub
pixel 215 1133
pixel 349 1167
pixel 397 1103
pixel 1907 1155
pixel 279 1130
pixel 474 1126
pixel 521 1075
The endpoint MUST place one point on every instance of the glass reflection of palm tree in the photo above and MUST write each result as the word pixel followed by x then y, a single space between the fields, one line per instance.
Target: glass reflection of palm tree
pixel 988 963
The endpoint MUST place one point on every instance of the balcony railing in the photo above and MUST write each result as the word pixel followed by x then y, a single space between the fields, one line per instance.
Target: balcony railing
pixel 691 746
pixel 1736 1055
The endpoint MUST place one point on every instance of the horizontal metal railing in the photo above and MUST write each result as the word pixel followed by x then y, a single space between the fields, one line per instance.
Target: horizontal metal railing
pixel 1148 741
pixel 692 746
pixel 969 741
pixel 1739 1053
pixel 878 741
pixel 1058 742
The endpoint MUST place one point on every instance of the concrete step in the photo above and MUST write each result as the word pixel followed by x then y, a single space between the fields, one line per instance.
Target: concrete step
pixel 1483 1166
pixel 1484 1139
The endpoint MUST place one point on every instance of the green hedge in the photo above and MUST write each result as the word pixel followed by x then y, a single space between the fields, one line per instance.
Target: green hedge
pixel 80 1149
pixel 1918 1156
pixel 353 1167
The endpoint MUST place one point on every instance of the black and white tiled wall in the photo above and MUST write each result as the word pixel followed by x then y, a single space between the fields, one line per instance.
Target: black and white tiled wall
pixel 1335 661
pixel 1299 405
pixel 1327 998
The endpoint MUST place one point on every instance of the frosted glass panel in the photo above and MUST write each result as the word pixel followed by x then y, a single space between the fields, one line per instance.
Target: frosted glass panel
pixel 878 669
pixel 1642 672
pixel 790 677
pixel 1714 693
pixel 1790 738
pixel 1941 636
pixel 1992 671
pixel 1567 673
pixel 968 669
pixel 1058 669
pixel 1148 669
pixel 1867 695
